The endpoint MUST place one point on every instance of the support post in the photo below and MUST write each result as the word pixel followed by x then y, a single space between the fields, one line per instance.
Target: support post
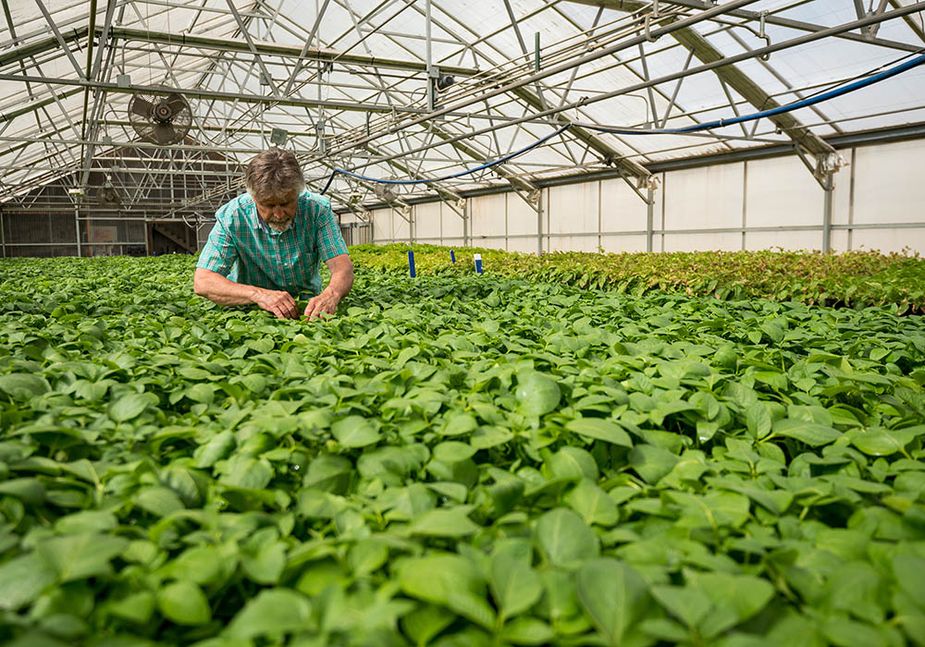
pixel 77 229
pixel 829 189
pixel 539 222
pixel 465 218
pixel 650 217
pixel 2 236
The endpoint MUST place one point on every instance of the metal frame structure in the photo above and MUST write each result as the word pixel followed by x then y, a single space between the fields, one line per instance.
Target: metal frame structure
pixel 362 85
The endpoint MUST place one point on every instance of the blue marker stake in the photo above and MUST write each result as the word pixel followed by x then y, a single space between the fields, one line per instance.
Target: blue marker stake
pixel 411 269
pixel 478 263
pixel 452 257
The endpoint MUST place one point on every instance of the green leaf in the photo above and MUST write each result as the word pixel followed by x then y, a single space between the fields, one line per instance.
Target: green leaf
pixel 515 586
pixel 199 564
pixel 810 433
pixel 129 406
pixel 600 429
pixel 687 604
pixel 77 557
pixel 758 420
pixel 23 579
pixel 593 504
pixel 527 631
pixel 651 462
pixel 355 431
pixel 565 539
pixel 265 562
pixel 184 603
pixel 447 580
pixel 452 522
pixel 247 472
pixel 136 607
pixel 881 442
pixel 735 598
pixel 159 501
pixel 537 394
pixel 272 613
pixel 908 569
pixel 23 386
pixel 614 595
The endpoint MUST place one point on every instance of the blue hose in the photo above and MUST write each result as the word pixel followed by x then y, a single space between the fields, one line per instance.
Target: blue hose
pixel 720 123
pixel 796 105
pixel 481 167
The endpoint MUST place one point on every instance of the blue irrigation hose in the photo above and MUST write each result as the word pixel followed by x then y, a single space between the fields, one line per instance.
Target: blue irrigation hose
pixel 796 105
pixel 481 167
pixel 710 125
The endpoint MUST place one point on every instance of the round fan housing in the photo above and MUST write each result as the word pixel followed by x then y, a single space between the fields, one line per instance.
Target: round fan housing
pixel 162 119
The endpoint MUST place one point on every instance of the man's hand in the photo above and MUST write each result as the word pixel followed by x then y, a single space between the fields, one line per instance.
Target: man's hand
pixel 279 303
pixel 324 303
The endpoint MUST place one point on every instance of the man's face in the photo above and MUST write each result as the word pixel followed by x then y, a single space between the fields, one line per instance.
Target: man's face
pixel 278 211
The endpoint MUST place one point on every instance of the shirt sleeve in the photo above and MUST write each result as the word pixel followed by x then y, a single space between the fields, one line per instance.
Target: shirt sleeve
pixel 330 241
pixel 219 253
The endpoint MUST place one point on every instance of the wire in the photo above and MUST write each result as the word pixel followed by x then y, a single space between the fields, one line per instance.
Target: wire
pixel 790 107
pixel 501 160
pixel 710 125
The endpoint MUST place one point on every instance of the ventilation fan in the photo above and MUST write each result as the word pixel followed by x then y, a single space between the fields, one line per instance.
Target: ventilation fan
pixel 107 195
pixel 161 119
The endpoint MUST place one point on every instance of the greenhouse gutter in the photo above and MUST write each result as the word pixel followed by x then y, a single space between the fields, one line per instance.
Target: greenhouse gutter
pixel 839 142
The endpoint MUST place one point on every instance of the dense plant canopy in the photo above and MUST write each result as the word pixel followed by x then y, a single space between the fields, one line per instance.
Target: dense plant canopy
pixel 854 279
pixel 453 460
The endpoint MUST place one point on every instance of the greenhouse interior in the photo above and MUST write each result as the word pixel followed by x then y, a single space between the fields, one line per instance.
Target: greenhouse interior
pixel 462 323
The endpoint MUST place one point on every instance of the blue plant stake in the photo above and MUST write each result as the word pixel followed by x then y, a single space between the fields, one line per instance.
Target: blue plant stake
pixel 478 263
pixel 411 269
pixel 452 257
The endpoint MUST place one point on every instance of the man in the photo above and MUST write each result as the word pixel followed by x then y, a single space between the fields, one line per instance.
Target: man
pixel 267 244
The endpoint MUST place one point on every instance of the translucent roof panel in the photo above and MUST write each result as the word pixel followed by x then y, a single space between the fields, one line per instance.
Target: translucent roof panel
pixel 362 86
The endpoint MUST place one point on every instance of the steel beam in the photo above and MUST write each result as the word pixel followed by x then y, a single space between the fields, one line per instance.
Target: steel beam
pixel 730 74
pixel 280 50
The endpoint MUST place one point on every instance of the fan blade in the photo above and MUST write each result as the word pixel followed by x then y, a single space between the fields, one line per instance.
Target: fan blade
pixel 141 107
pixel 165 134
pixel 177 104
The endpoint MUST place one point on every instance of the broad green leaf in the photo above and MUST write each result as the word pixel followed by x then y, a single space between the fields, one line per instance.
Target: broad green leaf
pixel 23 386
pixel 355 431
pixel 273 612
pixel 135 607
pixel 565 539
pixel 527 631
pixel 22 580
pixel 651 462
pixel 881 442
pixel 600 429
pixel 515 586
pixel 447 580
pixel 593 504
pixel 537 394
pixel 129 406
pixel 687 604
pixel 199 564
pixel 77 557
pixel 247 472
pixel 735 598
pixel 184 603
pixel 452 522
pixel 810 433
pixel 159 501
pixel 614 595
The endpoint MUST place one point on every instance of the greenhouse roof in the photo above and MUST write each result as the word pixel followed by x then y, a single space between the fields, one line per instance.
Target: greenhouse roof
pixel 417 90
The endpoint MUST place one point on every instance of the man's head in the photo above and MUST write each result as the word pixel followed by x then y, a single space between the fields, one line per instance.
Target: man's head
pixel 274 180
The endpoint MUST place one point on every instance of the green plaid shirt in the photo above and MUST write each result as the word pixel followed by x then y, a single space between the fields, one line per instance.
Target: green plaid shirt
pixel 243 248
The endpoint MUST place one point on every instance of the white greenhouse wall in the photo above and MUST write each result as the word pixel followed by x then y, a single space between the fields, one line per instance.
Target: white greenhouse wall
pixel 878 203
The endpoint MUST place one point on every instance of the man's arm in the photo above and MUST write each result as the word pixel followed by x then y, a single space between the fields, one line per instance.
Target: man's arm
pixel 225 292
pixel 341 281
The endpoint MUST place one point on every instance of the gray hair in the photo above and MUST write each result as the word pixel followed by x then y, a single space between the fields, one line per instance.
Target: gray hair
pixel 273 173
